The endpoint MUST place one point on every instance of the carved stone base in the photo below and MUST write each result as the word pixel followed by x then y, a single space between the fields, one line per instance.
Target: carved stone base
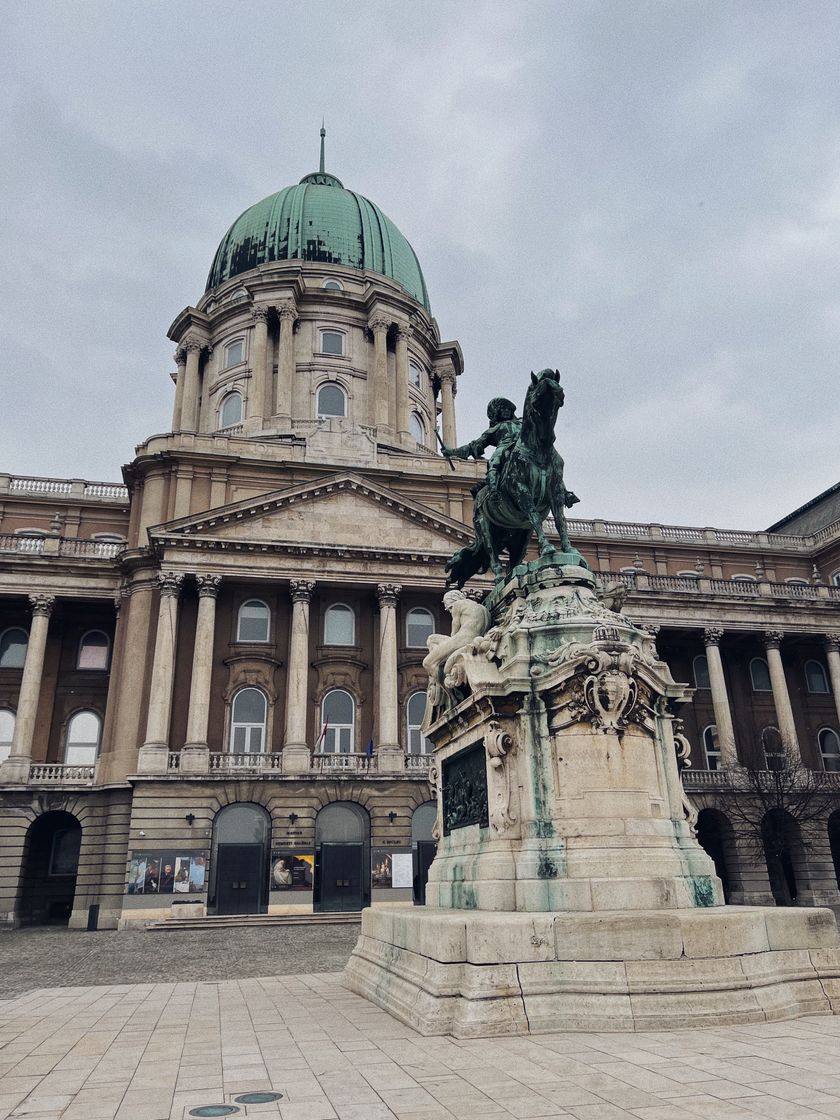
pixel 477 974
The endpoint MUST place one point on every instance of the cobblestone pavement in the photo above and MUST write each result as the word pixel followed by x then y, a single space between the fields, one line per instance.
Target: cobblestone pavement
pixel 42 958
pixel 157 1051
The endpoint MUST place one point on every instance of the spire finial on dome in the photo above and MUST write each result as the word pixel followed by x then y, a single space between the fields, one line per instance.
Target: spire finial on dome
pixel 323 134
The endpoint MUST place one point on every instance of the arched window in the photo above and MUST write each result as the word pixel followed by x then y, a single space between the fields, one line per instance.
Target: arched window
pixel 234 353
pixel 835 579
pixel 417 428
pixel 339 625
pixel 7 730
pixel 331 401
pixel 701 671
pixel 797 582
pixel 689 573
pixel 760 675
pixel 247 722
pixel 332 342
pixel 93 650
pixel 711 746
pixel 13 643
pixel 84 731
pixel 815 678
pixel 415 374
pixel 773 747
pixel 332 285
pixel 338 721
pixel 829 742
pixel 231 411
pixel 414 710
pixel 419 624
pixel 742 577
pixel 253 623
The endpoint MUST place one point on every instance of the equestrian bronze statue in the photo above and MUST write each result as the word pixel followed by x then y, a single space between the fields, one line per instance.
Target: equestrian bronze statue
pixel 524 483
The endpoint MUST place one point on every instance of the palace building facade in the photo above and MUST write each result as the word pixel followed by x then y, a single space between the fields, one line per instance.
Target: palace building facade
pixel 211 682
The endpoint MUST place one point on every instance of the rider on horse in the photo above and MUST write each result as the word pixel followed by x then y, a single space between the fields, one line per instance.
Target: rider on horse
pixel 504 428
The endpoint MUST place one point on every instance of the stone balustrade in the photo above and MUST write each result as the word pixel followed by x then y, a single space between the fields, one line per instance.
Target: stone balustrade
pixel 59 546
pixel 739 538
pixel 700 585
pixel 60 773
pixel 416 766
pixel 693 779
pixel 64 488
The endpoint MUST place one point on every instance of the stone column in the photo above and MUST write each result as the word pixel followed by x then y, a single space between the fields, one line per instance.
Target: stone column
pixel 296 757
pixel 181 363
pixel 720 699
pixel 189 401
pixel 285 362
pixel 832 656
pixel 16 766
pixel 781 698
pixel 378 389
pixel 259 380
pixel 195 755
pixel 389 754
pixel 447 398
pixel 403 334
pixel 153 754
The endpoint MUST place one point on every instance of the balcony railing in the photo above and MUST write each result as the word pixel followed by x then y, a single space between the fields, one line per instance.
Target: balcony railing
pixel 236 763
pixel 60 773
pixel 701 585
pixel 64 488
pixel 691 534
pixel 59 546
pixel 694 779
pixel 416 765
pixel 343 763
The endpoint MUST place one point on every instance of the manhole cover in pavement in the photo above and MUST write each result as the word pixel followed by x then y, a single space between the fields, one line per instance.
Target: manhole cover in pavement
pixel 214 1110
pixel 258 1098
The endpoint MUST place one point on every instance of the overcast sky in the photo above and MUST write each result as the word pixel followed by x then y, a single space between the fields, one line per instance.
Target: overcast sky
pixel 645 195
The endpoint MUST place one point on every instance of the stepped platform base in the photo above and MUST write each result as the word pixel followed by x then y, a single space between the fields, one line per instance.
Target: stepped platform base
pixel 231 921
pixel 477 973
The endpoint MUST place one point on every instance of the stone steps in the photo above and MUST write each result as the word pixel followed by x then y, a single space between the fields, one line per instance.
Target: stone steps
pixel 235 921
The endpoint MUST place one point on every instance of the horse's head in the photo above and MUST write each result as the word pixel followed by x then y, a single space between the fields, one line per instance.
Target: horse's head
pixel 546 392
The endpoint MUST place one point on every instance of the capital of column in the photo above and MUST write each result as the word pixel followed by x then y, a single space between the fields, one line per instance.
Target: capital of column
pixel 42 605
pixel 181 356
pixel 773 638
pixel 208 585
pixel 403 332
pixel 287 311
pixel 301 590
pixel 378 323
pixel 831 641
pixel 712 636
pixel 170 583
pixel 388 593
pixel 193 345
pixel 259 314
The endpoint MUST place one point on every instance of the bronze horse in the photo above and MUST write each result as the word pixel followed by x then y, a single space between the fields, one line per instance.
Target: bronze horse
pixel 530 484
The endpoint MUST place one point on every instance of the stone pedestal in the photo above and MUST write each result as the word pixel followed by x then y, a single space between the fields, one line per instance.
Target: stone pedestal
pixel 569 890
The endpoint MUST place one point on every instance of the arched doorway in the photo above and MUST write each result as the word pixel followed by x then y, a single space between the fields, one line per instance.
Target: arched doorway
pixel 239 860
pixel 834 842
pixel 50 866
pixel 423 847
pixel 717 838
pixel 785 856
pixel 342 857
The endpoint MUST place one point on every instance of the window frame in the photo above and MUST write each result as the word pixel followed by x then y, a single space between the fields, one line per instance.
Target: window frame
pixel 339 334
pixel 331 284
pixel 248 725
pixel 763 661
pixel 701 657
pixel 5 710
pixel 225 398
pixel 412 365
pixel 340 645
pixel 824 675
pixel 90 668
pixel 332 384
pixel 415 417
pixel 833 754
pixel 253 641
pixel 328 735
pixel 11 630
pixel 412 730
pixel 68 745
pixel 710 731
pixel 742 577
pixel 228 346
pixel 409 613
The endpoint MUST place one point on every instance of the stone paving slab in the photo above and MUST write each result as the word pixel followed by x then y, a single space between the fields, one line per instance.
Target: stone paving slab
pixel 155 1051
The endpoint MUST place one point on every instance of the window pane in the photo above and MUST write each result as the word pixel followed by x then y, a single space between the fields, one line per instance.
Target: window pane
pixel 332 342
pixel 13 649
pixel 249 706
pixel 253 622
pixel 84 727
pixel 816 678
pixel 420 626
pixel 760 675
pixel 339 626
pixel 93 651
pixel 415 374
pixel 711 746
pixel 231 410
pixel 255 740
pixel 80 755
pixel 7 726
pixel 417 428
pixel 331 401
pixel 338 708
pixel 239 738
pixel 830 749
pixel 332 285
pixel 234 353
pixel 701 672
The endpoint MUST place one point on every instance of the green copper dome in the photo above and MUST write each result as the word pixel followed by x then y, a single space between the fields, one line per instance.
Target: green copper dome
pixel 318 220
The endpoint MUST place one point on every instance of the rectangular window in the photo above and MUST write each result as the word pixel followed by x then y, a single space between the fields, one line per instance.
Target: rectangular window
pixel 332 342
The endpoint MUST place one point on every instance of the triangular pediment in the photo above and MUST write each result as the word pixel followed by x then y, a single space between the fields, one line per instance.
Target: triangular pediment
pixel 342 511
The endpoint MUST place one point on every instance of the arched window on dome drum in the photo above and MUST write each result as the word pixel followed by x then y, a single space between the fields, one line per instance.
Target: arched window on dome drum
pixel 234 353
pixel 332 285
pixel 339 625
pixel 7 731
pixel 253 622
pixel 829 742
pixel 760 675
pixel 414 710
pixel 338 719
pixel 13 643
pixel 93 650
pixel 419 624
pixel 701 671
pixel 84 731
pixel 332 342
pixel 331 401
pixel 231 411
pixel 815 678
pixel 247 722
pixel 415 374
pixel 417 428
pixel 711 746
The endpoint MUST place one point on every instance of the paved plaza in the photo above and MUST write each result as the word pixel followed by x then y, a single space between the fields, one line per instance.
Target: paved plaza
pixel 155 1051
